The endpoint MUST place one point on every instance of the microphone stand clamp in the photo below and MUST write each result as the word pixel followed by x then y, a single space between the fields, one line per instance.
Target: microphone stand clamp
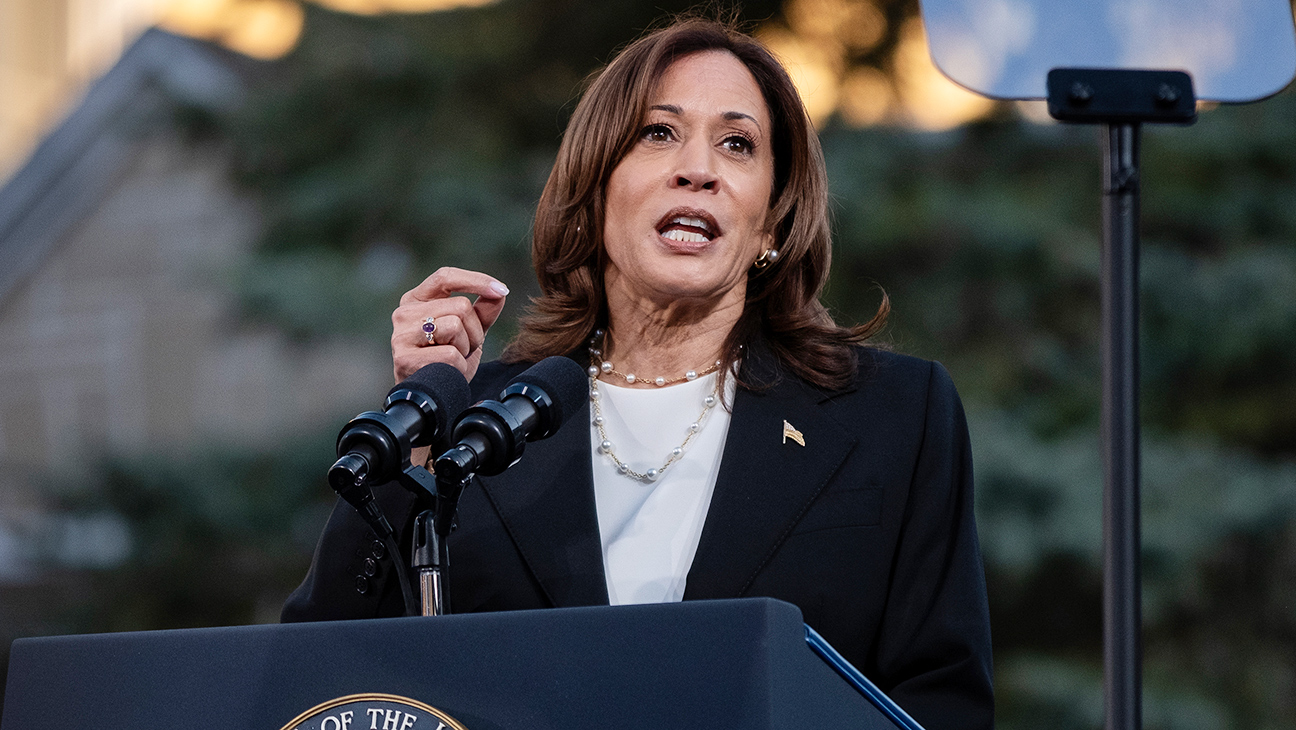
pixel 430 557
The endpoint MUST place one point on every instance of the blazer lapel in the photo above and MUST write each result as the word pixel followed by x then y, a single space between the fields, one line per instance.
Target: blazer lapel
pixel 548 510
pixel 766 483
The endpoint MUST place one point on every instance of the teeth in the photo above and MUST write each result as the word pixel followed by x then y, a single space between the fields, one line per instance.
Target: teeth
pixel 675 234
pixel 693 222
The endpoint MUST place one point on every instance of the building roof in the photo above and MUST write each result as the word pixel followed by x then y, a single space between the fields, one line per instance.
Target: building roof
pixel 76 164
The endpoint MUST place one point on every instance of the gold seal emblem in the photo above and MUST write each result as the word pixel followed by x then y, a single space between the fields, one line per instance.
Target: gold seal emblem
pixel 373 711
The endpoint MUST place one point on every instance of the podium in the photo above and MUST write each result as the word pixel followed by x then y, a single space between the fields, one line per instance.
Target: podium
pixel 717 664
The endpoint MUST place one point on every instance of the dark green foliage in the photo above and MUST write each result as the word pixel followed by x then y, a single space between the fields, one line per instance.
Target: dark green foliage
pixel 217 537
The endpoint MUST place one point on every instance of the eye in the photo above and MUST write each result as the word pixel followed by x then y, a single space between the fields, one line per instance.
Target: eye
pixel 657 133
pixel 738 143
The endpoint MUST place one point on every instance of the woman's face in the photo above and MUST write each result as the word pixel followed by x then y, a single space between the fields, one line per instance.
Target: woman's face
pixel 685 210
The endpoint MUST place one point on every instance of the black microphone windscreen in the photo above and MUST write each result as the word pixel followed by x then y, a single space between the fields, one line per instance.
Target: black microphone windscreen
pixel 445 386
pixel 564 381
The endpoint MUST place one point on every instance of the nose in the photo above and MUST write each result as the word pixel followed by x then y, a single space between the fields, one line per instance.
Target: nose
pixel 695 167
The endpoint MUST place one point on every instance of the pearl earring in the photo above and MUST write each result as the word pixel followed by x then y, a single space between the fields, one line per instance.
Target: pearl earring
pixel 769 256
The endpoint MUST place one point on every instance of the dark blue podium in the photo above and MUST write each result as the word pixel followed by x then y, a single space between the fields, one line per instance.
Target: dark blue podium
pixel 704 664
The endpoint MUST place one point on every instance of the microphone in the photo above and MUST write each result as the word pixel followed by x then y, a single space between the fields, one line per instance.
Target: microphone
pixel 375 445
pixel 490 436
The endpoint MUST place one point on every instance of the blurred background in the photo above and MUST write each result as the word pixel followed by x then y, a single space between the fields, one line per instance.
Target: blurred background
pixel 210 207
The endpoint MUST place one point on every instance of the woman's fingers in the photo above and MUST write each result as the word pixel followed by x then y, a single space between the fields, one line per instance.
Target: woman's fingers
pixel 454 321
pixel 459 325
pixel 412 348
pixel 488 308
pixel 448 280
pixel 407 361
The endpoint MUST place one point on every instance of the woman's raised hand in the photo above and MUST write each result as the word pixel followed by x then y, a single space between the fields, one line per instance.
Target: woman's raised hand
pixel 458 325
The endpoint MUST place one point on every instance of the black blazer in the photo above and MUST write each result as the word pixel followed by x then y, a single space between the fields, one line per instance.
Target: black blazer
pixel 868 528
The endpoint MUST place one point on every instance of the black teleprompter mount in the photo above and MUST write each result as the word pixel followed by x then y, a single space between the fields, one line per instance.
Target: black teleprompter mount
pixel 1121 100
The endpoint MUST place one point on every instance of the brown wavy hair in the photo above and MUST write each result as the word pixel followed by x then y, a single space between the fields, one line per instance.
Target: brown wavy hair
pixel 782 311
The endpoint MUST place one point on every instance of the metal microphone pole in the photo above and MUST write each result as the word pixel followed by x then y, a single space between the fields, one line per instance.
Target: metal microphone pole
pixel 430 557
pixel 431 554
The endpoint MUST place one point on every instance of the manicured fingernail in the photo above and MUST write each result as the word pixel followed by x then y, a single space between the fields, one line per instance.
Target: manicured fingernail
pixel 499 288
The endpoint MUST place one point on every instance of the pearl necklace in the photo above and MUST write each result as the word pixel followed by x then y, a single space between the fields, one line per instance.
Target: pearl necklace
pixel 606 446
pixel 605 367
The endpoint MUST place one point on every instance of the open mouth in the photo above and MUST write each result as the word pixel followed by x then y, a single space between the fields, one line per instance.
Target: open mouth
pixel 688 226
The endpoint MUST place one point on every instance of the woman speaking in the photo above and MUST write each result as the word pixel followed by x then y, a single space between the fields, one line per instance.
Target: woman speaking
pixel 739 442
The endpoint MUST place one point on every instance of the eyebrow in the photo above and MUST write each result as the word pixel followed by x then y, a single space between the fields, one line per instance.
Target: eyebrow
pixel 731 116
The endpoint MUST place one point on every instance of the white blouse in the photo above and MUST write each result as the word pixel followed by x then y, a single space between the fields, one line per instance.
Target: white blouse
pixel 650 530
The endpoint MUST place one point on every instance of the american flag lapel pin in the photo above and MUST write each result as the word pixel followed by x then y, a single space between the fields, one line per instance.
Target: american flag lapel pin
pixel 790 432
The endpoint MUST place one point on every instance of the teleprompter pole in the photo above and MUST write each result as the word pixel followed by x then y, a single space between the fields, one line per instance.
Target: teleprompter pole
pixel 1121 100
pixel 1122 604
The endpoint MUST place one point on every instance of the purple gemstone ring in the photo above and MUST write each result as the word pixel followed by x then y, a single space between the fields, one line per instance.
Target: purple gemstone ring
pixel 429 328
